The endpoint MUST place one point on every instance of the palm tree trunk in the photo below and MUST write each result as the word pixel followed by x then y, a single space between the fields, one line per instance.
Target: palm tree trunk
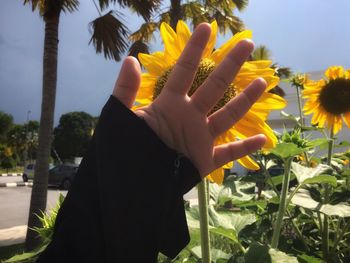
pixel 39 190
pixel 175 12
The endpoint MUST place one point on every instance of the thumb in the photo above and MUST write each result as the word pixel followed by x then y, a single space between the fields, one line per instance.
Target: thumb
pixel 128 82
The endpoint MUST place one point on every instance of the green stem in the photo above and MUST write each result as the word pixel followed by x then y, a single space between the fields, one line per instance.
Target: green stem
pixel 340 237
pixel 300 106
pixel 283 203
pixel 325 233
pixel 204 221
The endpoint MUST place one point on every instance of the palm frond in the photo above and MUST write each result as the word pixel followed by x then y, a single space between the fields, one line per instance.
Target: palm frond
pixel 278 91
pixel 241 4
pixel 261 52
pixel 195 12
pixel 228 22
pixel 145 32
pixel 138 47
pixel 49 8
pixel 282 72
pixel 145 8
pixel 34 3
pixel 109 35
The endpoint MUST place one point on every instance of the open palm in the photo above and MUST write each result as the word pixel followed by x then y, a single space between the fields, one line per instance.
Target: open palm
pixel 182 122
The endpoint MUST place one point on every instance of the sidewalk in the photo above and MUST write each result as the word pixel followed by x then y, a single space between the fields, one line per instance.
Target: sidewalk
pixel 16 234
pixel 13 235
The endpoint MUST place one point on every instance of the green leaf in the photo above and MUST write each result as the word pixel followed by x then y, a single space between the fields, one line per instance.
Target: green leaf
pixel 290 117
pixel 192 216
pixel 277 180
pixel 304 199
pixel 230 220
pixel 263 254
pixel 303 173
pixel 228 233
pixel 318 142
pixel 32 255
pixel 216 254
pixel 287 150
pixel 308 259
pixel 322 179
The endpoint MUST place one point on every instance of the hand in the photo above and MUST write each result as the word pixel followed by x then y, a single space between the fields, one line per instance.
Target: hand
pixel 182 122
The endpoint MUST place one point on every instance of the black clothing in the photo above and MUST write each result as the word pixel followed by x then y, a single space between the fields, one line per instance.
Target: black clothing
pixel 126 203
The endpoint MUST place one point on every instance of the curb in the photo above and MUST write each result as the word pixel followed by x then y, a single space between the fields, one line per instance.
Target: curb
pixel 13 235
pixel 15 184
pixel 12 174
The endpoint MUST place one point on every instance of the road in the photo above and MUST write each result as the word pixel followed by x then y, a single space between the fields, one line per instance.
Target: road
pixel 14 202
pixel 10 179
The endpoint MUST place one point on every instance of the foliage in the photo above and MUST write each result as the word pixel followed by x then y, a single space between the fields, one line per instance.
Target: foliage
pixel 45 232
pixel 6 122
pixel 194 11
pixel 73 134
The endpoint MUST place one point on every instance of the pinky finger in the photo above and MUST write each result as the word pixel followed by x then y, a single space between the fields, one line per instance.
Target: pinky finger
pixel 235 150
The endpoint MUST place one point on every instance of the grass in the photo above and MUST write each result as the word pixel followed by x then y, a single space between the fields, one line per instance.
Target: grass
pixel 17 169
pixel 10 251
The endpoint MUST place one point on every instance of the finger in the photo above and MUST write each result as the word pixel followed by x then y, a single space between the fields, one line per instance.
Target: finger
pixel 232 151
pixel 185 69
pixel 218 81
pixel 233 111
pixel 128 82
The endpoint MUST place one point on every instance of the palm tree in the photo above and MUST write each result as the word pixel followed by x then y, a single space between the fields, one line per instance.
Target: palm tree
pixel 109 36
pixel 194 11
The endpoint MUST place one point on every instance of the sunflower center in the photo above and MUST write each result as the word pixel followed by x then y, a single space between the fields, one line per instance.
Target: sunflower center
pixel 335 96
pixel 206 66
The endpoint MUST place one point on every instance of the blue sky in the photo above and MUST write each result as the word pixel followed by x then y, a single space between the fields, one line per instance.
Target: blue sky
pixel 306 35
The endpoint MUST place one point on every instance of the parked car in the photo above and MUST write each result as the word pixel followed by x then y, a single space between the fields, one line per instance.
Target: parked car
pixel 63 175
pixel 28 173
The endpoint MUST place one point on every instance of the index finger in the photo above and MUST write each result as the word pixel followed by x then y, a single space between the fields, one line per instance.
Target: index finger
pixel 186 66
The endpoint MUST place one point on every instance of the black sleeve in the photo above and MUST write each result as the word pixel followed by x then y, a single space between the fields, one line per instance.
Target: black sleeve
pixel 126 203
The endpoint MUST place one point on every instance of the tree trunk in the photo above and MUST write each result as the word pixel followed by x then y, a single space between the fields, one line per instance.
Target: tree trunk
pixel 39 190
pixel 175 13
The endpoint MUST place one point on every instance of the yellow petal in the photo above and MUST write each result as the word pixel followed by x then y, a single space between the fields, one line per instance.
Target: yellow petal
pixel 249 163
pixel 337 125
pixel 183 34
pixel 251 125
pixel 228 165
pixel 269 101
pixel 169 38
pixel 346 117
pixel 217 176
pixel 154 63
pixel 222 52
pixel 258 64
pixel 146 87
pixel 334 72
pixel 246 76
pixel 212 40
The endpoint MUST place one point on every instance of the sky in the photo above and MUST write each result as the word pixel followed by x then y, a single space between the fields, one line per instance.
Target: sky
pixel 305 35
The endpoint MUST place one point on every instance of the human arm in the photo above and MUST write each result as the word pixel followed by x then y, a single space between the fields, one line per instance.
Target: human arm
pixel 127 197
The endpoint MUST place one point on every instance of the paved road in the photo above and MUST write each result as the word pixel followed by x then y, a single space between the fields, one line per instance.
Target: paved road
pixel 14 204
pixel 10 179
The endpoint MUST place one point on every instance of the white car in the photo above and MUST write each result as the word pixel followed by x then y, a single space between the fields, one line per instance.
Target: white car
pixel 28 173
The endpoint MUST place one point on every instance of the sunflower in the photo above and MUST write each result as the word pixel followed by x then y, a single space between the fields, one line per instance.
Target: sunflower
pixel 329 99
pixel 159 65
